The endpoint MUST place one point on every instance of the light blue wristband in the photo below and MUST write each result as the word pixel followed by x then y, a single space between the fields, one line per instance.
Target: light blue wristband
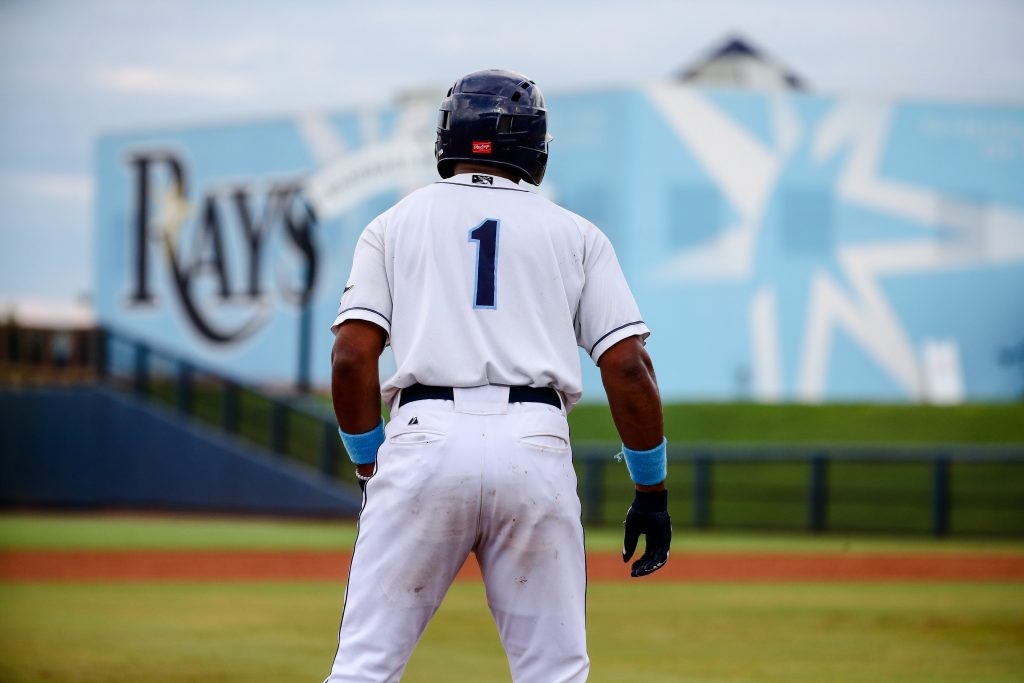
pixel 362 448
pixel 647 468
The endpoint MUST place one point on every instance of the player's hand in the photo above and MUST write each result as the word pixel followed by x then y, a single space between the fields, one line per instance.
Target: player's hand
pixel 648 515
pixel 366 470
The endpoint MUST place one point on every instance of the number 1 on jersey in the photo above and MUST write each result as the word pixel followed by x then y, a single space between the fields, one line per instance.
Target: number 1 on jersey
pixel 486 237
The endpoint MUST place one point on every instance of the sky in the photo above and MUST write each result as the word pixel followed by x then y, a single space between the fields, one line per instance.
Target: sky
pixel 70 70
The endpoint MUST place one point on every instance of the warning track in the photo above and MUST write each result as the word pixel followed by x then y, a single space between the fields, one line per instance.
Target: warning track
pixel 333 566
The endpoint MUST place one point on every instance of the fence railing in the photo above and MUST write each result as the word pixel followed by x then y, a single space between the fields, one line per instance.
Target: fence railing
pixel 297 427
pixel 938 489
pixel 33 355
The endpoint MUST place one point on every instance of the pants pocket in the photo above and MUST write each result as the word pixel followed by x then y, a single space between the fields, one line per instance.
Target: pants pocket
pixel 416 438
pixel 545 441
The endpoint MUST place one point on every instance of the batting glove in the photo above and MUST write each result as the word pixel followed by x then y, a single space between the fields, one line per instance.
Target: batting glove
pixel 648 515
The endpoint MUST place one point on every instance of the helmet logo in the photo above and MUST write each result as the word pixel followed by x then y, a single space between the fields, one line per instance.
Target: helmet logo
pixel 481 147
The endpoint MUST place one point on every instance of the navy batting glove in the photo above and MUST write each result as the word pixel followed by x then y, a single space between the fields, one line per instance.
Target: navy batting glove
pixel 648 515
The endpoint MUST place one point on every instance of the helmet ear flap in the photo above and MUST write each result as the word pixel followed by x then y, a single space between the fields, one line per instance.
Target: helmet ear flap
pixel 446 168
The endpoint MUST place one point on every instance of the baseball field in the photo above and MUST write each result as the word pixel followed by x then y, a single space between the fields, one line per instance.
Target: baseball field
pixel 91 598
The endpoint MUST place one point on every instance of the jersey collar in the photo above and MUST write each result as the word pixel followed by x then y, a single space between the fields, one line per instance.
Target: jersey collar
pixel 483 180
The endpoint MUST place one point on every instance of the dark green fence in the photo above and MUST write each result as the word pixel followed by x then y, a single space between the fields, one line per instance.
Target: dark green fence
pixel 937 489
pixel 942 489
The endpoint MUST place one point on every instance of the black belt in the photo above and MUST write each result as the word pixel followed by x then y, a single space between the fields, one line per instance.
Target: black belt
pixel 420 392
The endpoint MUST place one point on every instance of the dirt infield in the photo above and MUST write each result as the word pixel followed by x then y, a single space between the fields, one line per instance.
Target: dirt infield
pixel 333 566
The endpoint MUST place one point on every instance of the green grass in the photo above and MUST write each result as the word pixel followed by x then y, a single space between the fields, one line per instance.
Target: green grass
pixel 978 423
pixel 152 532
pixel 706 633
pixel 835 423
pixel 885 497
pixel 123 532
pixel 721 633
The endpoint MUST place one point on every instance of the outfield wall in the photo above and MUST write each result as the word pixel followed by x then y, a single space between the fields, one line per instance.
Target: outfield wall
pixel 95 448
pixel 782 246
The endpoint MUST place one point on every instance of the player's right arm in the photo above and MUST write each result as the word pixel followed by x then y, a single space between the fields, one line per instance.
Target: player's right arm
pixel 361 332
pixel 355 383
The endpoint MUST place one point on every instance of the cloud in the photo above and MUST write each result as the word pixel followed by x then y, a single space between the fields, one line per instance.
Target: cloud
pixel 67 187
pixel 248 49
pixel 174 83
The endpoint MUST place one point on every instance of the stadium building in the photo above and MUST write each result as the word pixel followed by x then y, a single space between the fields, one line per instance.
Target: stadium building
pixel 783 245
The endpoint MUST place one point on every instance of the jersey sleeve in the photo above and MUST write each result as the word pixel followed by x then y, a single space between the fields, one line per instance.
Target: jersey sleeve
pixel 607 311
pixel 367 295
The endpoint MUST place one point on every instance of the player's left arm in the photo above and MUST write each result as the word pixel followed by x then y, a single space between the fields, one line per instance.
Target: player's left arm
pixel 628 377
pixel 610 328
pixel 355 381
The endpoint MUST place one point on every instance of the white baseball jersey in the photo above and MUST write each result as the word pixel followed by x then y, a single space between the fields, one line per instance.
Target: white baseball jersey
pixel 478 281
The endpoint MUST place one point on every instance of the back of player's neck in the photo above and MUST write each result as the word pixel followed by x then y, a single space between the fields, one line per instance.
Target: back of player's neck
pixel 470 167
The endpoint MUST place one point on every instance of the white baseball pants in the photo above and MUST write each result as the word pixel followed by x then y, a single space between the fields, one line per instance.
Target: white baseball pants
pixel 471 475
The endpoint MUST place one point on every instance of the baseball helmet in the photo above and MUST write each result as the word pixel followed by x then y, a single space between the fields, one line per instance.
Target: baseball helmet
pixel 495 117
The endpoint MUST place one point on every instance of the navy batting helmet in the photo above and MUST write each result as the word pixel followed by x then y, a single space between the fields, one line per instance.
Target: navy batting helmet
pixel 496 117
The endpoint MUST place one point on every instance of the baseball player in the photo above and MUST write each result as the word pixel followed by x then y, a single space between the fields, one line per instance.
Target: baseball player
pixel 484 291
